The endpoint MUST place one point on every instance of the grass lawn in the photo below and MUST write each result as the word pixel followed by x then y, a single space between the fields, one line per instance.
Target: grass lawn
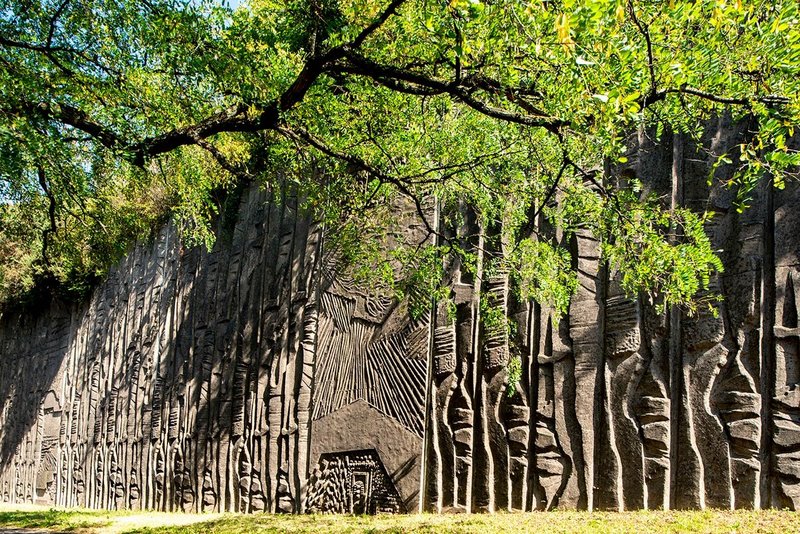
pixel 94 521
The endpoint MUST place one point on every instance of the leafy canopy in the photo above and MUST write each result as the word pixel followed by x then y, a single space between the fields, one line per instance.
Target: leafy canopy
pixel 117 115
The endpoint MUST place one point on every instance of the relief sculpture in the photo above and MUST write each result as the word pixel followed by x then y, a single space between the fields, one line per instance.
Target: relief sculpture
pixel 353 482
pixel 258 377
pixel 786 400
pixel 650 408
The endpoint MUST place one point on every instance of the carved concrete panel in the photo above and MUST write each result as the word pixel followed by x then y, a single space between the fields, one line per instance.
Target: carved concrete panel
pixel 256 377
pixel 625 407
pixel 353 482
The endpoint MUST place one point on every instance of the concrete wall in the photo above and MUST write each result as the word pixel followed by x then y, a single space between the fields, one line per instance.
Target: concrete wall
pixel 253 378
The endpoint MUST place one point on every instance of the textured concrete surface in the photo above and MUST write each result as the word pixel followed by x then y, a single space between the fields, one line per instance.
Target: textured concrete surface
pixel 253 378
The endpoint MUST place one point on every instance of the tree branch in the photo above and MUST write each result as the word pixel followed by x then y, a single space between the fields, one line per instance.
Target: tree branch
pixel 390 10
pixel 770 100
pixel 236 119
pixel 232 120
pixel 51 214
pixel 53 20
pixel 307 138
pixel 47 50
pixel 645 31
pixel 390 76
pixel 69 116
pixel 225 163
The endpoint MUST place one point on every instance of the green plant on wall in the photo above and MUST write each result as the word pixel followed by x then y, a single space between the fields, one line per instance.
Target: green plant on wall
pixel 514 369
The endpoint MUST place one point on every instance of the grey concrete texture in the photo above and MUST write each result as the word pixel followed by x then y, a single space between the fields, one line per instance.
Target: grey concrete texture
pixel 253 378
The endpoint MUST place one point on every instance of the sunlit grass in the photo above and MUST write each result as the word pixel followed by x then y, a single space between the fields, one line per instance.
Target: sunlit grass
pixel 643 522
pixel 560 521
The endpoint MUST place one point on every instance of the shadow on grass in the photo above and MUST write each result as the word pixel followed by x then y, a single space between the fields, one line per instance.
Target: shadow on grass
pixel 62 520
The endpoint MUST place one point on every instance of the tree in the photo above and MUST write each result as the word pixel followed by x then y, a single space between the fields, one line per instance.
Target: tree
pixel 116 114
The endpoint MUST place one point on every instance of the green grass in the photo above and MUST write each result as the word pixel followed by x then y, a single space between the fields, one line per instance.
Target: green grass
pixel 62 520
pixel 91 521
pixel 636 522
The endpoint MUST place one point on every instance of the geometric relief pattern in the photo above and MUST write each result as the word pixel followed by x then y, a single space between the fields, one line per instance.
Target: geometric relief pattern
pixel 353 482
pixel 356 362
